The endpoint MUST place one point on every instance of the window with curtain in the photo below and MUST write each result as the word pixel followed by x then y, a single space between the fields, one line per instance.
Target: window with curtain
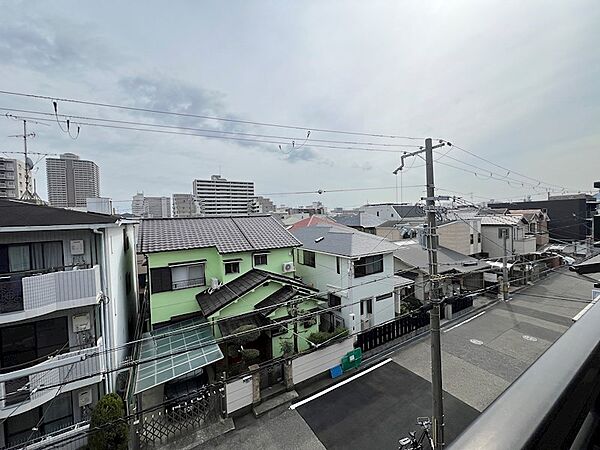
pixel 18 258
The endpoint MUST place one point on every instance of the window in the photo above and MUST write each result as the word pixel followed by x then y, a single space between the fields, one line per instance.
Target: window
pixel 479 238
pixel 260 260
pixel 366 307
pixel 23 344
pixel 472 239
pixel 160 279
pixel 334 300
pixel 33 256
pixel 187 276
pixel 377 213
pixel 232 267
pixel 125 240
pixel 56 415
pixel 338 264
pixel 384 296
pixel 502 231
pixel 368 265
pixel 308 258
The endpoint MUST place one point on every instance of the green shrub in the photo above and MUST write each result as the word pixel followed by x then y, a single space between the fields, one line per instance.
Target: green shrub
pixel 249 355
pixel 112 434
pixel 287 348
pixel 248 336
pixel 322 336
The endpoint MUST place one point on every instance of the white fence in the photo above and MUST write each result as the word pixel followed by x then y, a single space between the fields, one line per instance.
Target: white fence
pixel 319 361
pixel 239 394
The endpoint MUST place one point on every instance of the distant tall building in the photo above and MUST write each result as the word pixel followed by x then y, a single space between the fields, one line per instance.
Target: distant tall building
pixel 263 205
pixel 71 181
pixel 150 207
pixel 184 205
pixel 220 196
pixel 12 178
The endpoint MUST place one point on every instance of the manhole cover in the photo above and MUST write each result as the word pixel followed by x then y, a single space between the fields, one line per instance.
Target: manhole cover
pixel 476 341
pixel 529 338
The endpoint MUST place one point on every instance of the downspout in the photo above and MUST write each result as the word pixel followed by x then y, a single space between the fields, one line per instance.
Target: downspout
pixel 103 314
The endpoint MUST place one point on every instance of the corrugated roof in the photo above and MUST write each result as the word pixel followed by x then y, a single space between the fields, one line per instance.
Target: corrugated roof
pixel 501 220
pixel 16 213
pixel 414 255
pixel 226 234
pixel 210 303
pixel 341 240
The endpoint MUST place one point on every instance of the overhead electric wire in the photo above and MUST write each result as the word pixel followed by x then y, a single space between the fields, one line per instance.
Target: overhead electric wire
pixel 206 130
pixel 231 138
pixel 206 117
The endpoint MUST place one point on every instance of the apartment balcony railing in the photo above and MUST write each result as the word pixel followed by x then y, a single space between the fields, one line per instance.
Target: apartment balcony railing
pixel 36 385
pixel 29 294
pixel 554 404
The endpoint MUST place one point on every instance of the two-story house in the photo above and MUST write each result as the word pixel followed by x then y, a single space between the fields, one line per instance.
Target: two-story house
pixel 496 228
pixel 216 276
pixel 67 294
pixel 356 269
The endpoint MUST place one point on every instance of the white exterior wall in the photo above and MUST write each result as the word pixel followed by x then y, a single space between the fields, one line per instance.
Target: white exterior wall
pixel 121 306
pixel 325 278
pixel 384 212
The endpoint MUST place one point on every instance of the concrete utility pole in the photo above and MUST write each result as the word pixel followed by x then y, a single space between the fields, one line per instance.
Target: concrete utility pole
pixel 437 422
pixel 505 265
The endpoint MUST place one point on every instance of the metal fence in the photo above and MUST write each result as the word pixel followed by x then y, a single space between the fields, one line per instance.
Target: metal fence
pixel 165 424
pixel 390 331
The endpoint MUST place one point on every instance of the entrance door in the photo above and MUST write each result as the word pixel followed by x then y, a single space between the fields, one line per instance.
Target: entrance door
pixel 366 313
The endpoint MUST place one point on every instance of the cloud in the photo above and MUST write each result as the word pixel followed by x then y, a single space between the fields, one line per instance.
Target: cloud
pixel 366 166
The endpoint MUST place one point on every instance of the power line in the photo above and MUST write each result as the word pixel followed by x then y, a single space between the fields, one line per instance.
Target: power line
pixel 230 138
pixel 205 130
pixel 200 116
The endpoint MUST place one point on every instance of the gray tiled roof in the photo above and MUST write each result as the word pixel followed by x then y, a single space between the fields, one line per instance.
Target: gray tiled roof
pixel 409 210
pixel 211 303
pixel 282 295
pixel 414 255
pixel 227 234
pixel 341 240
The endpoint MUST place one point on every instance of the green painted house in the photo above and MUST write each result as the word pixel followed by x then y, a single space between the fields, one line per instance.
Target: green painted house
pixel 234 272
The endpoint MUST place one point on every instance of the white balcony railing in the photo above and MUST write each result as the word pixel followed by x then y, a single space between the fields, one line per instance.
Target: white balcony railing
pixel 75 369
pixel 38 294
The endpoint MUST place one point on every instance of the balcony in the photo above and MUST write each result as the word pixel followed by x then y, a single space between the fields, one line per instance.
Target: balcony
pixel 36 385
pixel 25 295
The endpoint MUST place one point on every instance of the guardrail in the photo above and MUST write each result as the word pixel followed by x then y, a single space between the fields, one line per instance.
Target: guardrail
pixel 554 404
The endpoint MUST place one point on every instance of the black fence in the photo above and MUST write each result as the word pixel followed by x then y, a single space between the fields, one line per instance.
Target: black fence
pixel 390 331
pixel 461 303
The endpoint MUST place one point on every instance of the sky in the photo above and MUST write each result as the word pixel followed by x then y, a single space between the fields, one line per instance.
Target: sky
pixel 513 82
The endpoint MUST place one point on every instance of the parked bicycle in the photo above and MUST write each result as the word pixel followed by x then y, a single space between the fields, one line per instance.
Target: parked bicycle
pixel 412 442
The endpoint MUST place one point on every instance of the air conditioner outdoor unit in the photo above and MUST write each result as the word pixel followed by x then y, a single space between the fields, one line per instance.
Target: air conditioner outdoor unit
pixel 215 283
pixel 288 267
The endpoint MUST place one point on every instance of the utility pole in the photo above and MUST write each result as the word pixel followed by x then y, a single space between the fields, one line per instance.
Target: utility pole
pixel 437 422
pixel 505 265
pixel 27 194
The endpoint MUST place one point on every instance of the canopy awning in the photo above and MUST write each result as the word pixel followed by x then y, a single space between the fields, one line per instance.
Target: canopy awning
pixel 175 350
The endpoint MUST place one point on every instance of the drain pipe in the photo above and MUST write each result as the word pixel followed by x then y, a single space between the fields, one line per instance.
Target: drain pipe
pixel 104 317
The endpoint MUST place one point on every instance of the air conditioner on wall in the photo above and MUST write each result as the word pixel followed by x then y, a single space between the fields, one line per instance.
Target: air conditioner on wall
pixel 288 267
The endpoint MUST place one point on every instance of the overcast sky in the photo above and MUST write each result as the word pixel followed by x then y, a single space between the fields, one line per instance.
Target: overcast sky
pixel 515 82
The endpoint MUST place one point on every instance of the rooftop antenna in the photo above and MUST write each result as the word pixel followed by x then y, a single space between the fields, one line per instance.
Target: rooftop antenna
pixel 27 195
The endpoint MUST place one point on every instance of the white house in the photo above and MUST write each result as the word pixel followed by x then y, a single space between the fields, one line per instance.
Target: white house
pixel 67 293
pixel 520 241
pixel 395 211
pixel 355 268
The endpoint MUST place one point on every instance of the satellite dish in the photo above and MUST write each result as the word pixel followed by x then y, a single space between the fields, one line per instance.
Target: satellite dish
pixel 29 163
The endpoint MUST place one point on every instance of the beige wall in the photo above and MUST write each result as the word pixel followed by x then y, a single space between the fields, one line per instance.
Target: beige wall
pixel 457 236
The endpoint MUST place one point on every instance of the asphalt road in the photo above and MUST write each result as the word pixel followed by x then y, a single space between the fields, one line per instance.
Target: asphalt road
pixel 377 409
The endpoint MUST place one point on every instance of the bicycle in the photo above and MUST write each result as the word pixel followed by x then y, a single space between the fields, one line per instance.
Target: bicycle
pixel 411 442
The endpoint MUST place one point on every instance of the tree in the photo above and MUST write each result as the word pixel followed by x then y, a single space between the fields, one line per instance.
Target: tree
pixel 112 434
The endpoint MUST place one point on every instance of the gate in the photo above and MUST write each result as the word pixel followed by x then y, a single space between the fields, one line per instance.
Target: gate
pixel 271 374
pixel 166 423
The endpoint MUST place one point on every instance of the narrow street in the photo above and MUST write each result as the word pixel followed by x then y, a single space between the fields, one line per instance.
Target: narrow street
pixel 481 358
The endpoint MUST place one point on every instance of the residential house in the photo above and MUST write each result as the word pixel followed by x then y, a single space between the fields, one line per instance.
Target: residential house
pixel 462 273
pixel 395 211
pixel 360 220
pixel 571 214
pixel 519 240
pixel 210 276
pixel 462 235
pixel 355 270
pixel 67 295
pixel 537 221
